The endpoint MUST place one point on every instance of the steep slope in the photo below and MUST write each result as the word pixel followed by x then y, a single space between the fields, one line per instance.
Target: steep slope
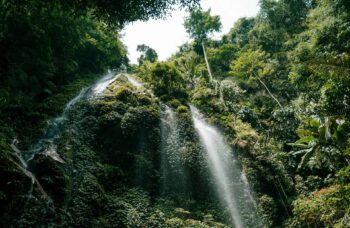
pixel 110 169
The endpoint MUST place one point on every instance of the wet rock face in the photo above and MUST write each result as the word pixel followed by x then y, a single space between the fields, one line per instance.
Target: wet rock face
pixel 109 171
pixel 51 175
pixel 107 143
pixel 13 185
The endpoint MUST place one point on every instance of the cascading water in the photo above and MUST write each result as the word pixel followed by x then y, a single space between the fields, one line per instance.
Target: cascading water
pixel 171 166
pixel 46 144
pixel 54 128
pixel 101 85
pixel 133 81
pixel 232 189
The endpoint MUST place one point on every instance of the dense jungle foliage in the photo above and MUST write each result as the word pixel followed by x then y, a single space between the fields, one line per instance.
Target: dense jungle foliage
pixel 277 85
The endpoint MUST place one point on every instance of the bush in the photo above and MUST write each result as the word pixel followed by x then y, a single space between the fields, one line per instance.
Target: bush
pixel 168 82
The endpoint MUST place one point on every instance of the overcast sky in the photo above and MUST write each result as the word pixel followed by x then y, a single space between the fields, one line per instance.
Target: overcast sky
pixel 165 36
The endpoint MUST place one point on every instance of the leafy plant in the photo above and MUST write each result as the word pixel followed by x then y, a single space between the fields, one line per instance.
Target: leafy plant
pixel 318 144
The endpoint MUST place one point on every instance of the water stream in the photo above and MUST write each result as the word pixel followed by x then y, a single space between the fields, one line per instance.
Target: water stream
pixel 173 177
pixel 133 81
pixel 231 185
pixel 46 144
pixel 55 126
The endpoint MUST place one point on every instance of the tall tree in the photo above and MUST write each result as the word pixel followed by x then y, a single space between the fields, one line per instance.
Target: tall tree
pixel 288 15
pixel 254 65
pixel 147 54
pixel 199 25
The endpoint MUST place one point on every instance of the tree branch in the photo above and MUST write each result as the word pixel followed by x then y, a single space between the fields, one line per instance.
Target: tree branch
pixel 279 104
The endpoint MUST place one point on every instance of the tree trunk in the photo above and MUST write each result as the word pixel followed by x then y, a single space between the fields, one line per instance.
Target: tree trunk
pixel 279 104
pixel 207 63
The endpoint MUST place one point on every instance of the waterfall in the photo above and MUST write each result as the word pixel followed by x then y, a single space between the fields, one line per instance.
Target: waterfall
pixel 46 144
pixel 173 177
pixel 231 185
pixel 55 126
pixel 134 82
pixel 52 132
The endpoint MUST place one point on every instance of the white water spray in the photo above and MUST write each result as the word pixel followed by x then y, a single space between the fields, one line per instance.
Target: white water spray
pixel 102 84
pixel 45 144
pixel 55 126
pixel 173 176
pixel 230 186
pixel 134 82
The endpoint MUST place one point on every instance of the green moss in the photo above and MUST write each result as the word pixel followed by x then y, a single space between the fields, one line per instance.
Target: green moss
pixel 182 109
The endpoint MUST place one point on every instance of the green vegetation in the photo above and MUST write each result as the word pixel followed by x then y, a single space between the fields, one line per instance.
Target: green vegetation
pixel 148 54
pixel 280 94
pixel 282 99
pixel 47 56
pixel 199 25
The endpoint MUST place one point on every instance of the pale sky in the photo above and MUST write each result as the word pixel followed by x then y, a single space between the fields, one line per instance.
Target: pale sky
pixel 165 36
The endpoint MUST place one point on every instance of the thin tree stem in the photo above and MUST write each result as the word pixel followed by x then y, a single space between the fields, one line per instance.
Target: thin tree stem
pixel 267 89
pixel 207 63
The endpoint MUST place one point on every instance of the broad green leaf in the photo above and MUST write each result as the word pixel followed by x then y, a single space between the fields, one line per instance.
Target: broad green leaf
pixel 306 157
pixel 314 123
pixel 306 139
pixel 303 132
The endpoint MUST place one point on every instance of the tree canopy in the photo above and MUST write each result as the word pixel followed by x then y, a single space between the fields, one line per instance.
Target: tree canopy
pixel 147 54
pixel 200 24
pixel 115 12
